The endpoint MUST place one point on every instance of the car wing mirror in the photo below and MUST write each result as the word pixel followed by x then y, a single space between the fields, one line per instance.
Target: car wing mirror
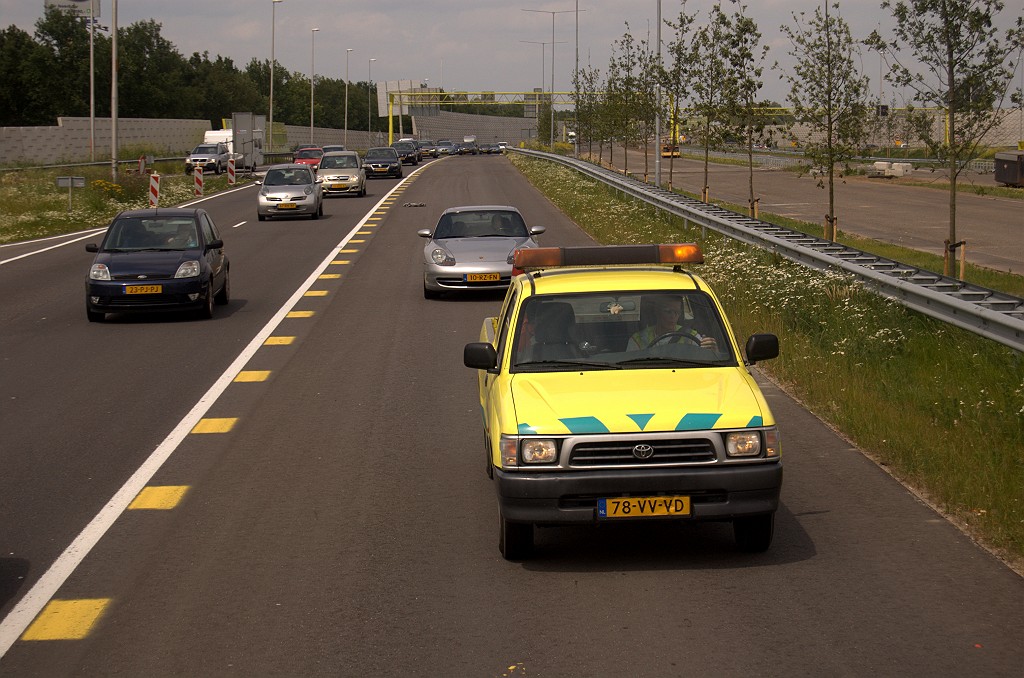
pixel 215 244
pixel 92 247
pixel 480 355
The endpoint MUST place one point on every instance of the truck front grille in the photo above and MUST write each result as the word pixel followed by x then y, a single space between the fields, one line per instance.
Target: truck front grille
pixel 622 453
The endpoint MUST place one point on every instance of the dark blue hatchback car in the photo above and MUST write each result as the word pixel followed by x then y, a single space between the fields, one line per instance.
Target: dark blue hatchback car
pixel 161 259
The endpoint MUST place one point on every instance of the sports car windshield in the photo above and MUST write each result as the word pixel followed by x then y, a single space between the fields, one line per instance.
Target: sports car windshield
pixel 481 224
pixel 653 329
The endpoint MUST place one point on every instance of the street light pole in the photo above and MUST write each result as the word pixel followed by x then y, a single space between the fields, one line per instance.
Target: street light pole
pixel 369 84
pixel 312 76
pixel 348 50
pixel 552 13
pixel 273 23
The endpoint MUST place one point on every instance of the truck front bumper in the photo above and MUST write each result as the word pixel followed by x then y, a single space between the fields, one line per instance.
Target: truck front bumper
pixel 563 498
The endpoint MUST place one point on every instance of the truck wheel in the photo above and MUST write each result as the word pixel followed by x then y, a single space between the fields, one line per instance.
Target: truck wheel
pixel 754 533
pixel 515 540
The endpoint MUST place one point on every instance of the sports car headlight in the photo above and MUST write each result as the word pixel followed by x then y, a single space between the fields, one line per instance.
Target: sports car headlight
pixel 442 257
pixel 99 272
pixel 743 444
pixel 188 269
pixel 539 451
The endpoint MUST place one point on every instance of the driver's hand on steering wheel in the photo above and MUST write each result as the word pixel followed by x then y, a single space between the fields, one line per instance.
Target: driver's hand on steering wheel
pixel 709 342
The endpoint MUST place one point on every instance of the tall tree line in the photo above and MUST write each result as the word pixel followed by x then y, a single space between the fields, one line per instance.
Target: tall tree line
pixel 46 75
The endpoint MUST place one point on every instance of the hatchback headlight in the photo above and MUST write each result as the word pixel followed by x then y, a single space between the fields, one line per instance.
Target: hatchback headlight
pixel 308 190
pixel 442 257
pixel 99 272
pixel 188 269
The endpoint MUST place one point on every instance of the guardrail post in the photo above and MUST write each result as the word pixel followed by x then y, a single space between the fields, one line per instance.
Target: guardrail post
pixel 754 204
pixel 198 174
pixel 154 190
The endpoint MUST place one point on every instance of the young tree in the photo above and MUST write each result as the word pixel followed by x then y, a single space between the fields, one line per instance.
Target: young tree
pixel 709 52
pixel 965 76
pixel 24 94
pixel 828 93
pixel 745 65
pixel 678 73
pixel 586 83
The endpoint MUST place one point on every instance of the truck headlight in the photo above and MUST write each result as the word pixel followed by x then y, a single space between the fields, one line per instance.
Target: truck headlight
pixel 539 451
pixel 743 443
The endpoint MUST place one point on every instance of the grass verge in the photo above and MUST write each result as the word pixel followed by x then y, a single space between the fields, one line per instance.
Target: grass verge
pixel 31 205
pixel 940 408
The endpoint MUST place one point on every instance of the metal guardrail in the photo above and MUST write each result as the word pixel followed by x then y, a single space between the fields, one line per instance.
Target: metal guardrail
pixel 988 313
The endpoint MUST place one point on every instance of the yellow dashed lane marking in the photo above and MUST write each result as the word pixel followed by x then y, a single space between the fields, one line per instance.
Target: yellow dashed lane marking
pixel 66 619
pixel 300 314
pixel 340 262
pixel 278 341
pixel 161 498
pixel 215 425
pixel 364 232
pixel 315 293
pixel 354 240
pixel 328 276
pixel 351 251
pixel 248 376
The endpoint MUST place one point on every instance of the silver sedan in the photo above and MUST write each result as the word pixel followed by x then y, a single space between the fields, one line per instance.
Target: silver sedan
pixel 471 248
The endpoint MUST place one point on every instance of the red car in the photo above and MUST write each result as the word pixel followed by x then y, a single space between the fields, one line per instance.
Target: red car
pixel 309 156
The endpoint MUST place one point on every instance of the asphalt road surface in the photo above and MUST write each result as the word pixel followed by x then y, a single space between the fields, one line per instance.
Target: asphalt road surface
pixel 341 523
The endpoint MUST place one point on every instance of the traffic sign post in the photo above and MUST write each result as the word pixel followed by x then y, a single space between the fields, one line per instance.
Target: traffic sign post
pixel 69 183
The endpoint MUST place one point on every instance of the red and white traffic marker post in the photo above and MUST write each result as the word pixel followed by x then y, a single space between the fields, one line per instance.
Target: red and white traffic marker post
pixel 231 171
pixel 198 174
pixel 154 190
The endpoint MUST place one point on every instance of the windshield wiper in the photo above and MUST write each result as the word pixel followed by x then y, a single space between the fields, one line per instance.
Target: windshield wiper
pixel 574 363
pixel 671 361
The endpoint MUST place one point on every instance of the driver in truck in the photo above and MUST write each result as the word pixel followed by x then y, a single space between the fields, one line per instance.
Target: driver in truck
pixel 668 311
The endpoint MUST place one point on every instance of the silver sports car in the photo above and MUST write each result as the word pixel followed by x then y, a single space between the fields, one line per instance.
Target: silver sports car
pixel 471 248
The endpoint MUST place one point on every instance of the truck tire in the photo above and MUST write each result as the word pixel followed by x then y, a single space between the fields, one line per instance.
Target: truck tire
pixel 515 540
pixel 754 533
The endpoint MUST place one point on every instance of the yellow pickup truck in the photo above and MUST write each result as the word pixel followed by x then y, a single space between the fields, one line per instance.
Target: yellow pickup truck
pixel 612 389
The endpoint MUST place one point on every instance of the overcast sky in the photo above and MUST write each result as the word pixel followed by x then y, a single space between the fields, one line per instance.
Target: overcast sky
pixel 467 45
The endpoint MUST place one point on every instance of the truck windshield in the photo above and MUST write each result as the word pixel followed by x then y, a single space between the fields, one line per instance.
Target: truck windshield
pixel 650 329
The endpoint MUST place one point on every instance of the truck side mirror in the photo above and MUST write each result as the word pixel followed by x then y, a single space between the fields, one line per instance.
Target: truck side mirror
pixel 761 347
pixel 480 355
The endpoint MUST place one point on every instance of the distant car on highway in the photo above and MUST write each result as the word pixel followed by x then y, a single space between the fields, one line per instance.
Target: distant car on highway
pixel 445 148
pixel 382 161
pixel 427 148
pixel 332 148
pixel 209 157
pixel 160 259
pixel 309 156
pixel 342 172
pixel 407 151
pixel 471 248
pixel 290 190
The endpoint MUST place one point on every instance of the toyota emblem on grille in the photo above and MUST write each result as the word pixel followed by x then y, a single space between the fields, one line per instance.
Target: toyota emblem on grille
pixel 643 451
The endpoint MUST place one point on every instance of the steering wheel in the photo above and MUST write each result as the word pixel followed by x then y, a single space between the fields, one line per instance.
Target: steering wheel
pixel 678 335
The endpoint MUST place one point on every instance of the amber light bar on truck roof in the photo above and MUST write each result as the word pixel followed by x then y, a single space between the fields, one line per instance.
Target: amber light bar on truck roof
pixel 551 257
